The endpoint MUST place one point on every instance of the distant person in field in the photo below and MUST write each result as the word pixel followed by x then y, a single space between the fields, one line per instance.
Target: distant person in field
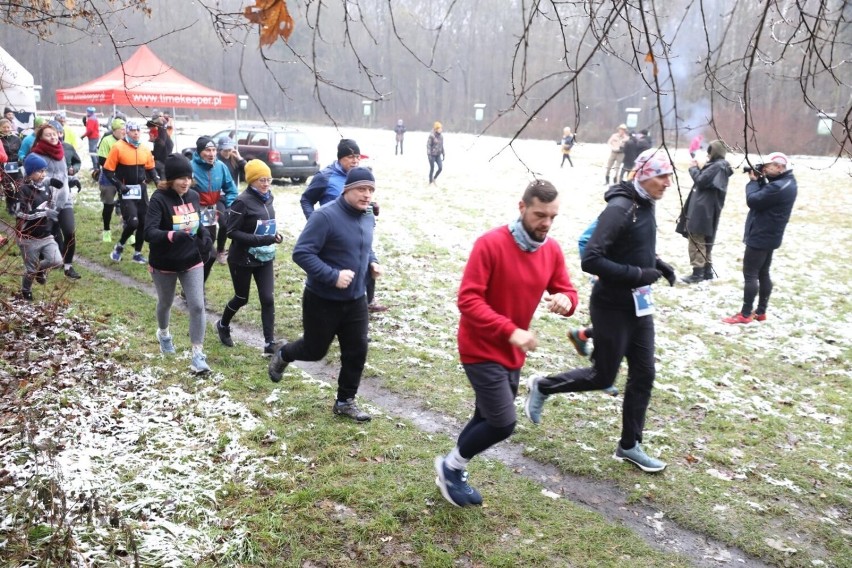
pixel 695 145
pixel 92 135
pixel 616 151
pixel 507 272
pixel 12 174
pixel 435 151
pixel 567 142
pixel 399 129
pixel 638 143
pixel 770 195
pixel 702 210
pixel 622 254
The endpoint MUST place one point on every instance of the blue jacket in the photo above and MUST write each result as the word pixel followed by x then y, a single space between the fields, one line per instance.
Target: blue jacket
pixel 336 237
pixel 325 187
pixel 770 203
pixel 212 181
pixel 26 146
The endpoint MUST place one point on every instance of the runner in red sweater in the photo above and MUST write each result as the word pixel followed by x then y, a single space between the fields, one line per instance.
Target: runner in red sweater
pixel 509 270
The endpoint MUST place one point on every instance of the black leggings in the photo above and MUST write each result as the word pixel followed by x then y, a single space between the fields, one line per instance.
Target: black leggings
pixel 223 227
pixel 264 278
pixel 106 215
pixel 210 260
pixel 66 236
pixel 133 212
pixel 756 265
pixel 618 334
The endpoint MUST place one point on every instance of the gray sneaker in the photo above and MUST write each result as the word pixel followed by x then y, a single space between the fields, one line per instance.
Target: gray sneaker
pixel 277 364
pixel 167 347
pixel 535 400
pixel 637 456
pixel 199 364
pixel 350 410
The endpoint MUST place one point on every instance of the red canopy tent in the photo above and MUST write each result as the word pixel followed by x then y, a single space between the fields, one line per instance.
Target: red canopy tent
pixel 145 81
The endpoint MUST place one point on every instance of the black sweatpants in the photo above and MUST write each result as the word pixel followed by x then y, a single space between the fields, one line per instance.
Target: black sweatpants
pixel 618 334
pixel 322 320
pixel 66 236
pixel 264 278
pixel 756 278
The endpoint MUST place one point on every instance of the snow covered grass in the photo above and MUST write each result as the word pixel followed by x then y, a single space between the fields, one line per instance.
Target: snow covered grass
pixel 753 420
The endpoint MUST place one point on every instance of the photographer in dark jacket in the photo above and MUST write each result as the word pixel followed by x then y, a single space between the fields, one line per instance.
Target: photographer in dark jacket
pixel 178 247
pixel 700 216
pixel 252 228
pixel 622 254
pixel 770 196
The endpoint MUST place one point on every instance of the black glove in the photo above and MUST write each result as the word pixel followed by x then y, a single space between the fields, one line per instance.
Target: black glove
pixel 667 270
pixel 122 188
pixel 57 183
pixel 180 236
pixel 75 183
pixel 648 276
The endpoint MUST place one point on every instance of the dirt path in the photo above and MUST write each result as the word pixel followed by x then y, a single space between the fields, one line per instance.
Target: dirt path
pixel 602 497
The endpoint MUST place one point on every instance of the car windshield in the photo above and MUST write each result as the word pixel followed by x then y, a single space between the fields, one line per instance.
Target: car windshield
pixel 292 140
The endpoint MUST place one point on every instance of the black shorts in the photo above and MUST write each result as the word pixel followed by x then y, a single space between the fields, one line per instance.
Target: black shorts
pixel 496 388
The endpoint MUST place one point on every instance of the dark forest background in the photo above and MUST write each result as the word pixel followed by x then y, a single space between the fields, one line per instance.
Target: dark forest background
pixel 423 63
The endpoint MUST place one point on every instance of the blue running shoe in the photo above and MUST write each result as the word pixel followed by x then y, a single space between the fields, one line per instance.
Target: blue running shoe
pixel 453 485
pixel 167 347
pixel 535 400
pixel 199 364
pixel 637 456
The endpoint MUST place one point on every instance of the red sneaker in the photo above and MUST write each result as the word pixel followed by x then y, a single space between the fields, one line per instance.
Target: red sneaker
pixel 759 317
pixel 738 318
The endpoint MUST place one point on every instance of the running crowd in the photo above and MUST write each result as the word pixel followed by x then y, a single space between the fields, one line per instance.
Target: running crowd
pixel 195 206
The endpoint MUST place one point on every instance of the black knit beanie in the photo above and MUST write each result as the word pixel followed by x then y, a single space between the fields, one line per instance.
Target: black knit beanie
pixel 204 142
pixel 347 147
pixel 177 166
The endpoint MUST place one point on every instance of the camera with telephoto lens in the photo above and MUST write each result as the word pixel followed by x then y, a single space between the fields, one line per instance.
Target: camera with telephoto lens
pixel 757 168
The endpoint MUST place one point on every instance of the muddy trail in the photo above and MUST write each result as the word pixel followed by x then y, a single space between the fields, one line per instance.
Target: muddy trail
pixel 603 497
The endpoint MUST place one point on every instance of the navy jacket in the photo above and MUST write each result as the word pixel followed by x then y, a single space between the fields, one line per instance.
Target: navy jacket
pixel 336 237
pixel 770 202
pixel 325 187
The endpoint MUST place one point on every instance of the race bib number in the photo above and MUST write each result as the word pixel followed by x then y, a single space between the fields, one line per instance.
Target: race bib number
pixel 133 192
pixel 185 218
pixel 266 227
pixel 643 301
pixel 11 167
pixel 209 216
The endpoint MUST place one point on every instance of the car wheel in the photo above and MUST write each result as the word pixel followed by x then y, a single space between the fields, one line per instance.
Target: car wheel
pixel 298 180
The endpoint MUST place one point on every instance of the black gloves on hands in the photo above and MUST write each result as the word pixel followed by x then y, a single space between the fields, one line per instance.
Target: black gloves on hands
pixel 667 270
pixel 122 188
pixel 648 276
pixel 57 183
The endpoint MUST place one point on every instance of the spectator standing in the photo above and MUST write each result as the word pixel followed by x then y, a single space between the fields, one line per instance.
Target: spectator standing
pixel 638 143
pixel 435 151
pixel 335 250
pixel 129 165
pixel 251 225
pixel 93 135
pixel 11 168
pixel 507 272
pixel 162 143
pixel 399 129
pixel 695 145
pixel 616 151
pixel 178 246
pixel 107 188
pixel 622 253
pixel 770 196
pixel 567 143
pixel 229 155
pixel 36 216
pixel 702 210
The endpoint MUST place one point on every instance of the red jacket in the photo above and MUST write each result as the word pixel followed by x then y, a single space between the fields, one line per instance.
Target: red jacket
pixel 500 290
pixel 93 129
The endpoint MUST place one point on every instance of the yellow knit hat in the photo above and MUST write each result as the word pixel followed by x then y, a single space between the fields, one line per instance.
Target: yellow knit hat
pixel 436 126
pixel 256 169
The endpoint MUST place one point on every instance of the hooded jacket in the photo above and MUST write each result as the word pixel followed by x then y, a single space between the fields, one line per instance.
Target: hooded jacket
pixel 31 211
pixel 325 186
pixel 703 207
pixel 169 212
pixel 770 203
pixel 212 181
pixel 624 242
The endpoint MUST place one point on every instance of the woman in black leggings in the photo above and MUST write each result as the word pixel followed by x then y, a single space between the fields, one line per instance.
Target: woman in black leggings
pixel 253 232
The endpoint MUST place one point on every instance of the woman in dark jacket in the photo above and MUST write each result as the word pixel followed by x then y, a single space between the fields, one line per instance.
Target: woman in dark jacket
pixel 699 218
pixel 11 175
pixel 253 234
pixel 177 250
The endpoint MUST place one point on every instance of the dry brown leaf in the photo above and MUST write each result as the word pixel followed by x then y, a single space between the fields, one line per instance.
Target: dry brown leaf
pixel 274 20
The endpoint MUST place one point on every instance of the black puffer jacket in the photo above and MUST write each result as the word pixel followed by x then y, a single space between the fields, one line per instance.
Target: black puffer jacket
pixel 622 244
pixel 248 216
